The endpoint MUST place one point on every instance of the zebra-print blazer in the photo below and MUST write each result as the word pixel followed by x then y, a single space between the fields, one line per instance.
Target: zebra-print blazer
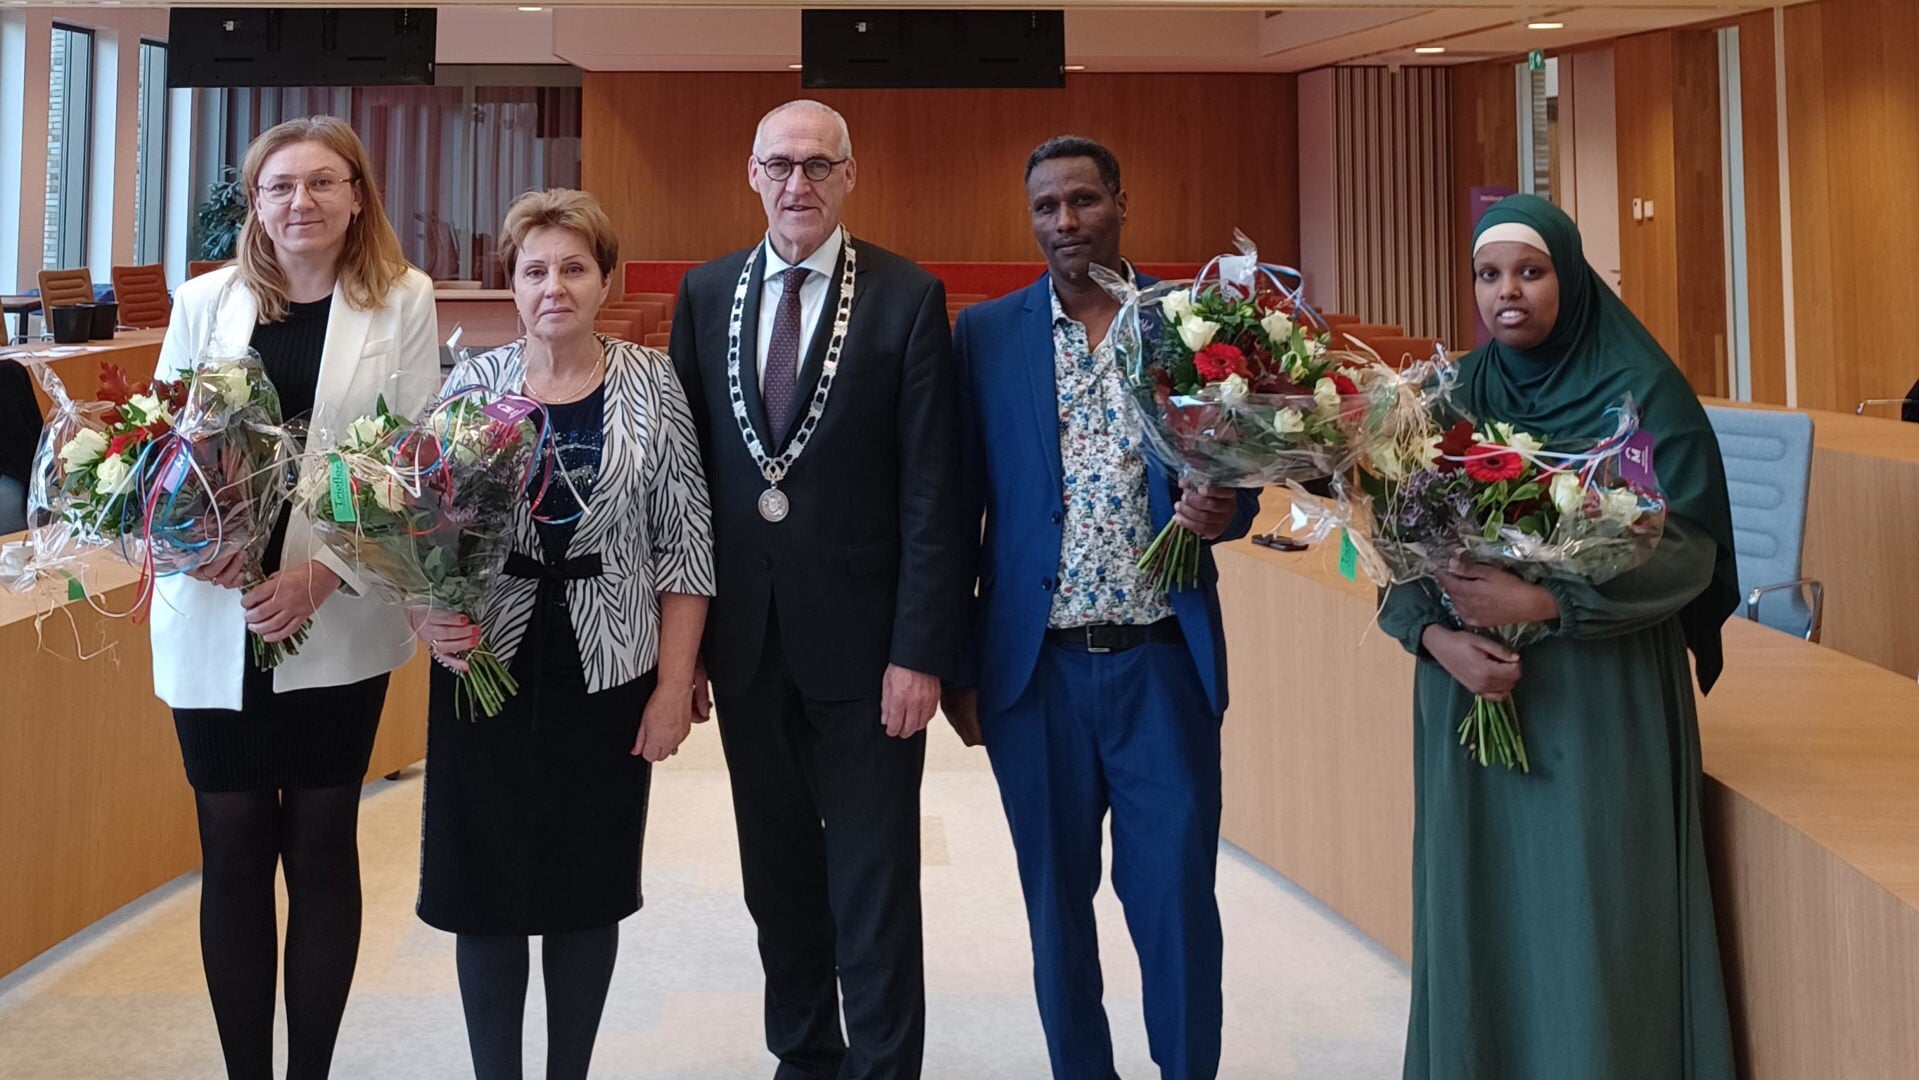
pixel 648 518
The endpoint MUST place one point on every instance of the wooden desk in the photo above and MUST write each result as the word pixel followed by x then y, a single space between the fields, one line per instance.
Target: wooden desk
pixel 1811 800
pixel 138 351
pixel 1862 532
pixel 487 316
pixel 95 803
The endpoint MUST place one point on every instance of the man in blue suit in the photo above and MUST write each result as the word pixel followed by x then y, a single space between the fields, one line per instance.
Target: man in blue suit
pixel 1091 690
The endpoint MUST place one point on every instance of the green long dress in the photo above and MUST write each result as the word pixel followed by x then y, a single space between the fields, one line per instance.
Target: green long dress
pixel 1562 918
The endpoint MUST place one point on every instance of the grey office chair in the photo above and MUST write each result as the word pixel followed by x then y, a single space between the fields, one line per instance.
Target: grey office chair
pixel 1768 458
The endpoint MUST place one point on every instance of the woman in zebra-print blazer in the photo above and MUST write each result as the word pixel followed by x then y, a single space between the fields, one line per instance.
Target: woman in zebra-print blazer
pixel 534 818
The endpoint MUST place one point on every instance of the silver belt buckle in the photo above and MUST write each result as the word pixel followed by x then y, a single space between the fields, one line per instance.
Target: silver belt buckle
pixel 1091 632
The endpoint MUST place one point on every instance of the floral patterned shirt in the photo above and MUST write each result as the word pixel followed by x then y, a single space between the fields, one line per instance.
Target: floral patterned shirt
pixel 1108 521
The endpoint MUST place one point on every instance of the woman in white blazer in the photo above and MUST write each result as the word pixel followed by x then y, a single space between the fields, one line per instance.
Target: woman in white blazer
pixel 276 758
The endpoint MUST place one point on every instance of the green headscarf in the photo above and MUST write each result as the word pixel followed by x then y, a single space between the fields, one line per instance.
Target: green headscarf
pixel 1596 356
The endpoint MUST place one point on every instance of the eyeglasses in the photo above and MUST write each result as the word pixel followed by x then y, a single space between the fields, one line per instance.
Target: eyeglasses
pixel 815 168
pixel 320 185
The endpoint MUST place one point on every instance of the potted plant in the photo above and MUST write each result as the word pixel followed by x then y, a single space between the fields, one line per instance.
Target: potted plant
pixel 221 215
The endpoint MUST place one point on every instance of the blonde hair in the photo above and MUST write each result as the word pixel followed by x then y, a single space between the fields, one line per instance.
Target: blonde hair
pixel 371 263
pixel 560 208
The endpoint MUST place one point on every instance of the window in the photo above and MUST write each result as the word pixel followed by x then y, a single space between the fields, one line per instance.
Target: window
pixel 150 157
pixel 69 112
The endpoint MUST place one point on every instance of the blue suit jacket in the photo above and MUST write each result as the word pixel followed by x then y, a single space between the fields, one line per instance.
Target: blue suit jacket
pixel 1010 474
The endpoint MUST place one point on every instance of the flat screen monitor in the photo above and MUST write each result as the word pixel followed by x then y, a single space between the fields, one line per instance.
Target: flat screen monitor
pixel 300 47
pixel 856 49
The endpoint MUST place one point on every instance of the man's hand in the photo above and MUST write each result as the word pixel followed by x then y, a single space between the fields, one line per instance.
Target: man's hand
pixel 907 701
pixel 1480 664
pixel 961 706
pixel 279 606
pixel 1204 511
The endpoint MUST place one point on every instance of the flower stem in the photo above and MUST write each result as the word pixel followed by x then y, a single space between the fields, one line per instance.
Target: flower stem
pixel 267 655
pixel 1171 561
pixel 1490 733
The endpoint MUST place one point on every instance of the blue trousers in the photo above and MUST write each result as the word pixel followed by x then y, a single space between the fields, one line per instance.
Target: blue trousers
pixel 1130 732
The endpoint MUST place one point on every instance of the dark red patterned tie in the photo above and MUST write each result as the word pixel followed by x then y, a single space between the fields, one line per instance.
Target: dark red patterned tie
pixel 778 386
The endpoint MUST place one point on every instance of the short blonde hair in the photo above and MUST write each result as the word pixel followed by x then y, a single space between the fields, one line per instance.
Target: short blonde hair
pixel 372 261
pixel 560 208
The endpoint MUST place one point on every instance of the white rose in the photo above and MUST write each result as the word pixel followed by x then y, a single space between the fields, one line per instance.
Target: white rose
pixel 1197 333
pixel 1386 461
pixel 1620 506
pixel 1233 390
pixel 1315 348
pixel 364 432
pixel 85 448
pixel 113 476
pixel 148 405
pixel 234 386
pixel 1176 304
pixel 1288 422
pixel 1522 442
pixel 1326 396
pixel 1278 327
pixel 1568 493
pixel 389 493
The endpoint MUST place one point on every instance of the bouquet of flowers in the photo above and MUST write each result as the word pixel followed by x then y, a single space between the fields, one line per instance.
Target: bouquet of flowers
pixel 90 470
pixel 1488 492
pixel 223 476
pixel 1236 384
pixel 423 510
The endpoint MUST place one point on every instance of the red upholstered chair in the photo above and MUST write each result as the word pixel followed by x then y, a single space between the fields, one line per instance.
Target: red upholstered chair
pixel 657 341
pixel 615 328
pixel 141 292
pixel 1401 351
pixel 1338 318
pixel 61 287
pixel 645 314
pixel 1366 332
pixel 196 267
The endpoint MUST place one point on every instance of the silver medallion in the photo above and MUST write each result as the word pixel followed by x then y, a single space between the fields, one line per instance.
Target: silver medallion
pixel 773 505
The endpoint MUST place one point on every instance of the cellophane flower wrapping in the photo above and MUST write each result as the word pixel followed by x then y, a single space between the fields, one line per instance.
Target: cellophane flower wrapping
pixel 1450 488
pixel 92 473
pixel 423 509
pixel 1235 382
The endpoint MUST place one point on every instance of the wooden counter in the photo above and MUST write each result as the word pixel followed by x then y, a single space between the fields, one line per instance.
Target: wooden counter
pixel 94 801
pixel 487 316
pixel 1811 801
pixel 138 351
pixel 1862 534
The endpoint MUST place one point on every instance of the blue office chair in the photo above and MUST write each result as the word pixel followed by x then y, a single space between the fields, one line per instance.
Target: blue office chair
pixel 1768 457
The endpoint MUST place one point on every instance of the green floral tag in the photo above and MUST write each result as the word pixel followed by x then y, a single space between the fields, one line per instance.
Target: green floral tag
pixel 1348 557
pixel 342 487
pixel 75 590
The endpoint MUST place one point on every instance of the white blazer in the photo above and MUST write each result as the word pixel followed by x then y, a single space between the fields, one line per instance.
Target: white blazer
pixel 199 630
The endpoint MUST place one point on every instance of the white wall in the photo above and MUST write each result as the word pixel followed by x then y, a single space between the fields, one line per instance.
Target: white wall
pixel 1595 146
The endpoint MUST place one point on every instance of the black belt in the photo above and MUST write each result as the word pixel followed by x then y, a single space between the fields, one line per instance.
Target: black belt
pixel 549 602
pixel 1115 637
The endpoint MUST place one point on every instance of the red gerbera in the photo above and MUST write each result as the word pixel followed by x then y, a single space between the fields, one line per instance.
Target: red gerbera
pixel 1490 463
pixel 1219 360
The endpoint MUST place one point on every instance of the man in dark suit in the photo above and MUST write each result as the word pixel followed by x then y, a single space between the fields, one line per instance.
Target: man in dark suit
pixel 821 378
pixel 1092 691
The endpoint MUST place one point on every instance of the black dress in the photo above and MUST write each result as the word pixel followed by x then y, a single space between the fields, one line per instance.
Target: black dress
pixel 534 818
pixel 317 738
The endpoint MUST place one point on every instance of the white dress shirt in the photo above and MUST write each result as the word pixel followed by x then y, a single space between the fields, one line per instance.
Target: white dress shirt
pixel 812 298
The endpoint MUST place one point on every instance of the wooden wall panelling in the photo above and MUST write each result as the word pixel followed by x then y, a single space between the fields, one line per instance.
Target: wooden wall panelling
pixel 1852 96
pixel 1647 248
pixel 1699 223
pixel 940 171
pixel 1765 267
pixel 1394 145
pixel 1485 127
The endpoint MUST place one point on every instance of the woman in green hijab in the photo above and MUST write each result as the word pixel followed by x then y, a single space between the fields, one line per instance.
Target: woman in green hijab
pixel 1562 918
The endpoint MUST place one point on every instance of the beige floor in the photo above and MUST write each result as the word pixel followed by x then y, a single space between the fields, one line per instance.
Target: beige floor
pixel 1306 995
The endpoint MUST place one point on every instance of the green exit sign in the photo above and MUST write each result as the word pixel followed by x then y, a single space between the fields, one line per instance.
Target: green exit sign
pixel 1536 60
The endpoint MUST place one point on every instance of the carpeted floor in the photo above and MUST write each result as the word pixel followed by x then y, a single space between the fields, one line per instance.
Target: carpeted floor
pixel 1307 996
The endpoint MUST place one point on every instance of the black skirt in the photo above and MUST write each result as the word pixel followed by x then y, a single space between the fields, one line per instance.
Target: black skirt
pixel 534 818
pixel 317 738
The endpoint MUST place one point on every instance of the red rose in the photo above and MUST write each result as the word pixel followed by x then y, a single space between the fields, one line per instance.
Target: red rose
pixel 1453 445
pixel 1346 386
pixel 1490 463
pixel 1218 361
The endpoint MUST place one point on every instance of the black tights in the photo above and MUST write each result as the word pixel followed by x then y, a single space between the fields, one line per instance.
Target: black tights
pixel 577 968
pixel 244 835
